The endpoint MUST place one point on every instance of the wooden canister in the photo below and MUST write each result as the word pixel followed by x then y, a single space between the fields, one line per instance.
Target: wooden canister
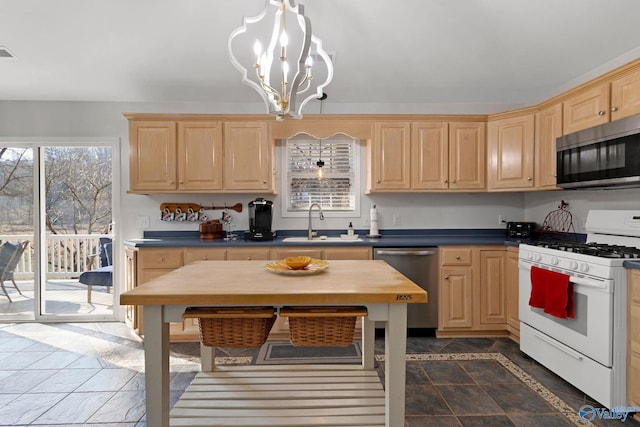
pixel 211 229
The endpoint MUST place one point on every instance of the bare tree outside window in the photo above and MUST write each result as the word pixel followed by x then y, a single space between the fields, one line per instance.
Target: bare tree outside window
pixel 78 192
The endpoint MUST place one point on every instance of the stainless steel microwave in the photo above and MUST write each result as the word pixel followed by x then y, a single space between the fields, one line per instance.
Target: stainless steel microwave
pixel 605 156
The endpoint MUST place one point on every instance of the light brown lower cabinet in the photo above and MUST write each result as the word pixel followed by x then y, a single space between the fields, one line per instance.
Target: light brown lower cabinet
pixel 472 291
pixel 633 338
pixel 144 264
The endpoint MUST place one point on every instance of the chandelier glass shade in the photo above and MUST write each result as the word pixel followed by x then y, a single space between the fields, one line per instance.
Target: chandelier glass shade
pixel 280 58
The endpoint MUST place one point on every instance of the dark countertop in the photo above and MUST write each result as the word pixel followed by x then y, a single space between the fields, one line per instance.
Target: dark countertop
pixel 389 239
pixel 395 238
pixel 632 264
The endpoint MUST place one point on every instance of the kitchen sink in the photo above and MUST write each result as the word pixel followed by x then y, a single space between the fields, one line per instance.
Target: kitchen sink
pixel 320 239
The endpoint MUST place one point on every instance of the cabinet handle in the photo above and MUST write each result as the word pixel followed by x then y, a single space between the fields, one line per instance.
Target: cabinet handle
pixel 264 182
pixel 529 178
pixel 453 182
pixel 446 277
pixel 181 182
pixel 378 182
pixel 458 257
pixel 446 181
pixel 248 258
pixel 601 113
pixel 614 109
pixel 161 259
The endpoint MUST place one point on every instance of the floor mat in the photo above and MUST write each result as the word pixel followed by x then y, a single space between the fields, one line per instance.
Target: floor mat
pixel 283 353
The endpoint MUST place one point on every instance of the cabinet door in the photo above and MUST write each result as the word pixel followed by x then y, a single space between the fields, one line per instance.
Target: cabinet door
pixel 160 258
pixel 456 256
pixel 360 252
pixel 276 253
pixel 633 340
pixel 247 157
pixel 512 288
pixel 467 163
pixel 254 253
pixel 199 156
pixel 587 108
pixel 144 275
pixel 203 254
pixel 625 96
pixel 492 287
pixel 549 128
pixel 430 155
pixel 152 155
pixel 390 165
pixel 455 307
pixel 130 281
pixel 511 152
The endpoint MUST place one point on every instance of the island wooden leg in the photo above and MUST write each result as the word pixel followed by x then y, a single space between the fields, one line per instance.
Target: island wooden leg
pixel 368 343
pixel 156 366
pixel 207 358
pixel 395 347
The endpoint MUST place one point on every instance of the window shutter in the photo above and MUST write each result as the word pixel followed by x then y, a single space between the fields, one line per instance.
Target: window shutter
pixel 334 192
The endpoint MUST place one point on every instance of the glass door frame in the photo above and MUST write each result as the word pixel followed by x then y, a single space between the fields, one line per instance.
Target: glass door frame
pixel 37 146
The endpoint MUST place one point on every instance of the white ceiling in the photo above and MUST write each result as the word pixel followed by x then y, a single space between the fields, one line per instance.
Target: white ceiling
pixel 485 53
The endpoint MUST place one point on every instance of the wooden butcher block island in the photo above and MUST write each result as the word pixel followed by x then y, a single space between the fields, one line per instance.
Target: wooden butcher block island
pixel 382 290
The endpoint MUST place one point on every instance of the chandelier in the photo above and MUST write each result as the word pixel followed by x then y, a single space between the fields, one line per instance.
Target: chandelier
pixel 280 58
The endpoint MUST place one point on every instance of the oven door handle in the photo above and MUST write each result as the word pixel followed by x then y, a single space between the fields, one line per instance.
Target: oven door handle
pixel 560 347
pixel 583 281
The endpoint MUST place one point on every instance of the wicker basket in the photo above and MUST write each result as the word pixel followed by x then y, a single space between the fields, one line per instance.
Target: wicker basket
pixel 322 326
pixel 239 327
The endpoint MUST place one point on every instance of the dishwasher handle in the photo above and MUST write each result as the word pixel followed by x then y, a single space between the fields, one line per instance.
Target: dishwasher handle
pixel 405 253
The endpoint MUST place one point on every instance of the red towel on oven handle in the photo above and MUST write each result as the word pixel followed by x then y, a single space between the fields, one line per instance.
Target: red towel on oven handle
pixel 538 287
pixel 559 296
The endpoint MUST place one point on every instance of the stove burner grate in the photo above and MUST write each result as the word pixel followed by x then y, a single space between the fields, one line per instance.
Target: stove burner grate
pixel 593 249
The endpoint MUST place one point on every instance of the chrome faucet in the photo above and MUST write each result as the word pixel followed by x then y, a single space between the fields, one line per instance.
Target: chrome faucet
pixel 310 235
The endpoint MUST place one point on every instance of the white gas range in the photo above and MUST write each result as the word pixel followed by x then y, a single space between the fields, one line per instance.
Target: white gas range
pixel 587 347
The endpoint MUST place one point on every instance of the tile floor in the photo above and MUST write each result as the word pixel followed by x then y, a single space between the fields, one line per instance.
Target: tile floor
pixel 91 374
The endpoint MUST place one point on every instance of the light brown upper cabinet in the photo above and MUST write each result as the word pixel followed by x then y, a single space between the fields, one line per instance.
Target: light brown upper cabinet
pixel 199 156
pixel 152 155
pixel 169 156
pixel 247 157
pixel 467 162
pixel 597 104
pixel 391 150
pixel 588 107
pixel 625 95
pixel 549 127
pixel 191 156
pixel 511 152
pixel 428 156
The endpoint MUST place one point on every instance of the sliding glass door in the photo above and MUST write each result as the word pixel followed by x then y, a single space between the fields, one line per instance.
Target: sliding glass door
pixel 16 226
pixel 66 214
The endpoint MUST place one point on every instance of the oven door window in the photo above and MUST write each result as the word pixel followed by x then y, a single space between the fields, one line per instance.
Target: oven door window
pixel 619 158
pixel 589 332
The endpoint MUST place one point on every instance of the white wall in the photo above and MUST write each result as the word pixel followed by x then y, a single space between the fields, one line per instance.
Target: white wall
pixel 99 119
pixel 537 205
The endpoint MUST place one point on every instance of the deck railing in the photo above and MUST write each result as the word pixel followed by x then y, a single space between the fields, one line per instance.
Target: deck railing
pixel 68 255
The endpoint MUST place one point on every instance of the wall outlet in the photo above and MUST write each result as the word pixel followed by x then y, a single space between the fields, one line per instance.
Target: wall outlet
pixel 396 220
pixel 143 221
pixel 502 219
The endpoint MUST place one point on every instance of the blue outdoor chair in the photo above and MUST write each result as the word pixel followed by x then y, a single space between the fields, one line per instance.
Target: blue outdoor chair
pixel 10 254
pixel 102 276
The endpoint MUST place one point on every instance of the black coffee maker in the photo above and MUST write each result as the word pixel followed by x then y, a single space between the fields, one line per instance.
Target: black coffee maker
pixel 260 217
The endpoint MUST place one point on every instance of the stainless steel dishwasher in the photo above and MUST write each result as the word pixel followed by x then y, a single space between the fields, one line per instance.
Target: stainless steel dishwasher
pixel 421 266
